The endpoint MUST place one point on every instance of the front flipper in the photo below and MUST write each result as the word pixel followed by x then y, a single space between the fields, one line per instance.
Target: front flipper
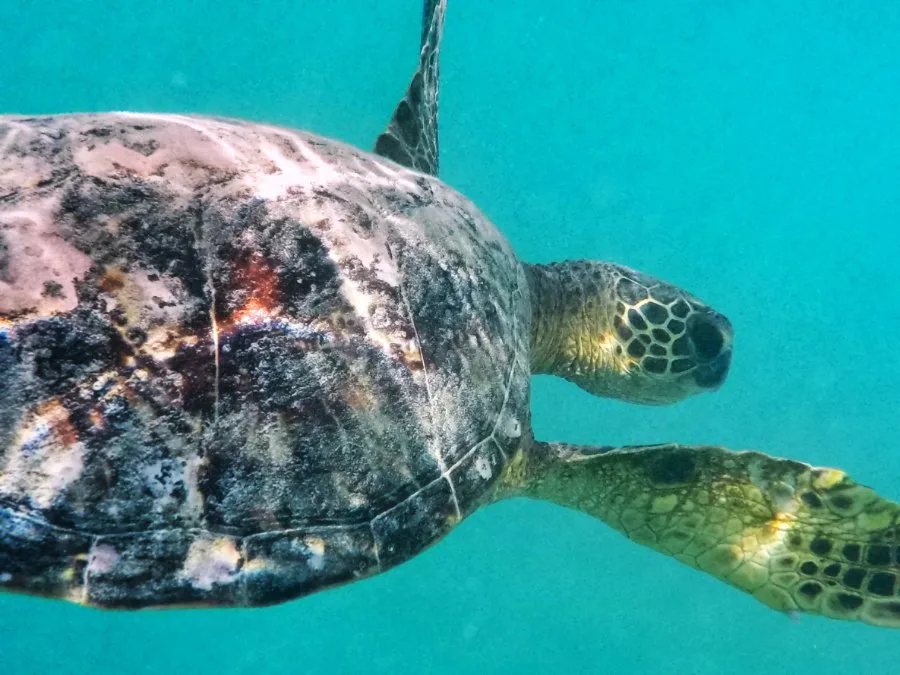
pixel 794 536
pixel 411 138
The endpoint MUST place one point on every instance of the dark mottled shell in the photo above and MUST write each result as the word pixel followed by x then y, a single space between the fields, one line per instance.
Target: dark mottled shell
pixel 239 363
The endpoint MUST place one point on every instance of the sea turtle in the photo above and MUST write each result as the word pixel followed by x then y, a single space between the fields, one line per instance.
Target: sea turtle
pixel 240 363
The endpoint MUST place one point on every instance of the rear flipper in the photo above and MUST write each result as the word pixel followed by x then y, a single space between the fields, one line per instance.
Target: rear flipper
pixel 797 538
pixel 411 138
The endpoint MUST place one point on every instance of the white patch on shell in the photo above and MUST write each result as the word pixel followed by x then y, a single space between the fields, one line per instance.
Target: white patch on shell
pixel 211 562
pixel 28 170
pixel 308 168
pixel 483 467
pixel 356 499
pixel 185 156
pixel 44 457
pixel 103 559
pixel 112 158
pixel 163 343
pixel 146 301
pixel 256 151
pixel 161 478
pixel 371 253
pixel 315 553
pixel 37 255
pixel 289 173
pixel 209 128
pixel 193 503
pixel 509 425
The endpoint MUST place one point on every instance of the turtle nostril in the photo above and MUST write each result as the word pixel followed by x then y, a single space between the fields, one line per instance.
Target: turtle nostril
pixel 708 337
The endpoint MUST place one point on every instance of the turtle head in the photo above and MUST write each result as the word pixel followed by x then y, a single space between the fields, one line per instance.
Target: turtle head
pixel 622 334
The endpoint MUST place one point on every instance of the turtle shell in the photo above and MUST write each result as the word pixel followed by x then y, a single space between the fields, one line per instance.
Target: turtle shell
pixel 239 363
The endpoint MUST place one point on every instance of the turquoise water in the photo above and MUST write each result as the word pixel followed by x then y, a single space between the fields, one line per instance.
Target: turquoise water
pixel 751 155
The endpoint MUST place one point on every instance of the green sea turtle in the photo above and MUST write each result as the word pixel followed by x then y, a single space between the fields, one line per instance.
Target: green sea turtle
pixel 240 363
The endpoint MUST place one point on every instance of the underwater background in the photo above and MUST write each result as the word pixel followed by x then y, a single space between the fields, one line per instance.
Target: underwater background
pixel 749 152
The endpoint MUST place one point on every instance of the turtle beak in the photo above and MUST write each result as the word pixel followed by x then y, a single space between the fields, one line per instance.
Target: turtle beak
pixel 711 375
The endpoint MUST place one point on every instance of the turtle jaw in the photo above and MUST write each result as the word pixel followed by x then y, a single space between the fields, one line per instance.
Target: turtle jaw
pixel 710 376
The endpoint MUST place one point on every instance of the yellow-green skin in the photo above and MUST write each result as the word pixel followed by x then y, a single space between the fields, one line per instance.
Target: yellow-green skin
pixel 797 538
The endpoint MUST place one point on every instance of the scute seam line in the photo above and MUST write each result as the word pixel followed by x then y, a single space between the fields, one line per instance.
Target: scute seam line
pixel 440 460
pixel 86 575
pixel 508 386
pixel 488 438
